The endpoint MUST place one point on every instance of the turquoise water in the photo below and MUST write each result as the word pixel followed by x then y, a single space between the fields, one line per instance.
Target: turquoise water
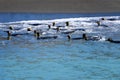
pixel 74 60
pixel 26 58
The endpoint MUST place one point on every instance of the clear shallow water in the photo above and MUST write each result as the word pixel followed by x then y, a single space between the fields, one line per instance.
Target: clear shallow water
pixel 25 58
pixel 60 60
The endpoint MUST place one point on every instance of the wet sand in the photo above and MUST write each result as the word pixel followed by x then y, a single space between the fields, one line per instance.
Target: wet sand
pixel 60 6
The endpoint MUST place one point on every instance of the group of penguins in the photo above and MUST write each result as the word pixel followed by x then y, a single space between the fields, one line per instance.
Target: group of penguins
pixel 38 33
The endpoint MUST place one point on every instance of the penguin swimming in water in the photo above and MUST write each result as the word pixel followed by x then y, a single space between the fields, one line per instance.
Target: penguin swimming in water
pixel 68 32
pixel 17 33
pixel 67 23
pixel 35 24
pixel 47 37
pixel 39 37
pixel 38 33
pixel 93 38
pixel 112 41
pixel 79 29
pixel 53 24
pixel 77 38
pixel 29 29
pixel 11 28
pixel 99 24
pixel 110 19
pixel 14 28
pixel 9 34
pixel 49 27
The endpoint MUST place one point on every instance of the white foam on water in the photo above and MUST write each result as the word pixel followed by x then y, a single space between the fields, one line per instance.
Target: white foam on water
pixel 88 23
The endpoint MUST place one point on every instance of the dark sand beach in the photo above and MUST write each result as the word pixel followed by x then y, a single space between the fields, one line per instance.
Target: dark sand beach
pixel 60 6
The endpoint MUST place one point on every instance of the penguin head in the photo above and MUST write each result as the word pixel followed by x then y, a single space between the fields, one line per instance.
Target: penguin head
pixel 29 29
pixel 49 26
pixel 53 24
pixel 67 23
pixel 109 39
pixel 11 28
pixel 84 36
pixel 69 37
